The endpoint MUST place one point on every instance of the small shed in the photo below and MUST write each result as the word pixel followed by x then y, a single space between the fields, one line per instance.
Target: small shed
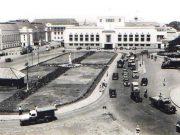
pixel 11 77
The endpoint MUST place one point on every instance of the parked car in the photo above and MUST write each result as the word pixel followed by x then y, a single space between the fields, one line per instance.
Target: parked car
pixel 112 93
pixel 8 60
pixel 115 76
pixel 178 126
pixel 144 82
pixel 134 48
pixel 121 48
pixel 79 48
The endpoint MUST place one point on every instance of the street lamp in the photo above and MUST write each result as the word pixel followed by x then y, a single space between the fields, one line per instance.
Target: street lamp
pixel 27 66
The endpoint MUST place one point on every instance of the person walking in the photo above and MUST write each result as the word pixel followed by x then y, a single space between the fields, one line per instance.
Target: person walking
pixel 20 110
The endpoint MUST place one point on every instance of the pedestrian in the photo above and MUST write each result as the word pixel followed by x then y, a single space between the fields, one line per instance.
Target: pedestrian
pixel 138 129
pixel 164 82
pixel 35 108
pixel 20 110
pixel 107 74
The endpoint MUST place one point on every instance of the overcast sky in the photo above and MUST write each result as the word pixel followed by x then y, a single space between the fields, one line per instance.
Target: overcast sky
pixel 162 11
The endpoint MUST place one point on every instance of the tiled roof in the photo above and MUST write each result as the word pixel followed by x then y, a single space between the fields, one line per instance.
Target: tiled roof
pixel 10 73
pixel 66 21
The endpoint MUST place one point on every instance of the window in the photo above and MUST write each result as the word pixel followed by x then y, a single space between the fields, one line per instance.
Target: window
pixel 81 44
pixel 109 20
pixel 70 37
pixel 100 20
pixel 148 38
pixel 136 44
pixel 97 44
pixel 108 38
pixel 130 37
pixel 142 38
pixel 136 37
pixel 81 37
pixel 147 44
pixel 125 37
pixel 54 33
pixel 119 37
pixel 75 44
pixel 92 44
pixel 70 44
pixel 119 44
pixel 86 44
pixel 76 37
pixel 130 44
pixel 97 37
pixel 61 33
pixel 124 44
pixel 86 37
pixel 142 44
pixel 92 37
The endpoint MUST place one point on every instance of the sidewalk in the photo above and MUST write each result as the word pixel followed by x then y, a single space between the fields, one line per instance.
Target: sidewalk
pixel 96 94
pixel 174 95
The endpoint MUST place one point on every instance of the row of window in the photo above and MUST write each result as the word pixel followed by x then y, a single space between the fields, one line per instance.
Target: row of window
pixel 84 37
pixel 58 33
pixel 136 38
pixel 134 44
pixel 10 45
pixel 76 44
pixel 58 37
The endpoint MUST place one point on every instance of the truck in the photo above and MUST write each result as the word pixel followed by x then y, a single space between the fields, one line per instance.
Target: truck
pixel 38 115
pixel 135 93
pixel 27 49
pixel 163 104
pixel 135 74
pixel 171 63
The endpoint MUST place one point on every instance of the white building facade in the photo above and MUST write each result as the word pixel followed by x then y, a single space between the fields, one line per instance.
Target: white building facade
pixel 9 36
pixel 55 28
pixel 114 32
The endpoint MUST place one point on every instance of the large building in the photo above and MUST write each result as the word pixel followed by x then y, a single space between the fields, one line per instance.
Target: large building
pixel 114 32
pixel 55 28
pixel 9 36
pixel 30 33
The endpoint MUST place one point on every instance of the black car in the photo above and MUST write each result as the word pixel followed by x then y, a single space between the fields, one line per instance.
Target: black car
pixel 112 93
pixel 115 76
pixel 178 126
pixel 8 60
pixel 144 82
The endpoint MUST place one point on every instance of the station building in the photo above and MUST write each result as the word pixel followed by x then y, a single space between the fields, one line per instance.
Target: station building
pixel 114 32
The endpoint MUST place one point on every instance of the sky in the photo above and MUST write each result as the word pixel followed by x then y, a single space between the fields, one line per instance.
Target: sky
pixel 162 11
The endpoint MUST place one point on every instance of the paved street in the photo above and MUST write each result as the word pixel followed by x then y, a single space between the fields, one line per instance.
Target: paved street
pixel 125 113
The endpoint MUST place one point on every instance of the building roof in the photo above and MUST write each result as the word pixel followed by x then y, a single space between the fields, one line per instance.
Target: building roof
pixel 8 26
pixel 10 73
pixel 141 24
pixel 65 21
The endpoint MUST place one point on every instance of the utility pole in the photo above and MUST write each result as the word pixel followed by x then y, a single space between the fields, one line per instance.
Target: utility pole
pixel 27 66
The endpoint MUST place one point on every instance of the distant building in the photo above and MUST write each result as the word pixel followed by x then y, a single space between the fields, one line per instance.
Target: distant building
pixel 114 32
pixel 9 36
pixel 30 33
pixel 55 28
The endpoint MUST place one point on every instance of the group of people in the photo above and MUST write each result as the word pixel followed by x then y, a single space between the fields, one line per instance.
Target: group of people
pixel 21 111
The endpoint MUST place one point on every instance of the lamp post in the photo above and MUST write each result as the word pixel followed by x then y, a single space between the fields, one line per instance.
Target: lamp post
pixel 27 66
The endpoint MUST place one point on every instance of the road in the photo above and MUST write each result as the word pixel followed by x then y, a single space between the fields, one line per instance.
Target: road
pixel 19 61
pixel 126 114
